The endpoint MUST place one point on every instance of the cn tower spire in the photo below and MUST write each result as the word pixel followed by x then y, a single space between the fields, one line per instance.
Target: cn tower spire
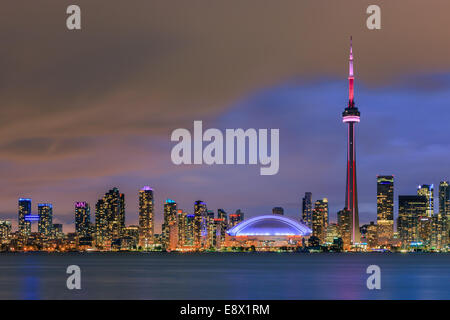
pixel 351 96
pixel 351 116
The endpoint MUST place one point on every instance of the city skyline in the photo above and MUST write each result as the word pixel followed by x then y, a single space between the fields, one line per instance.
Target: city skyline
pixel 66 154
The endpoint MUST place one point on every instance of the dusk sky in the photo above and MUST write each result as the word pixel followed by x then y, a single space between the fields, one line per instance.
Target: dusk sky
pixel 85 111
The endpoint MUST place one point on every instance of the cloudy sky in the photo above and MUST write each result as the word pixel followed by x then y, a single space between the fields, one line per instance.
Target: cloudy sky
pixel 84 111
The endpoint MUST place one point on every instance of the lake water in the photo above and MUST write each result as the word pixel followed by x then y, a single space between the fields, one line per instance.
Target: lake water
pixel 224 276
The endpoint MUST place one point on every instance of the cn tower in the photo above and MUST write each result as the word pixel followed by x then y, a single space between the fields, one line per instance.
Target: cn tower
pixel 350 116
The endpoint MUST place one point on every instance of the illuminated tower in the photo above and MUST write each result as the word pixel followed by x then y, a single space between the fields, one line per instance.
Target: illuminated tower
pixel 146 223
pixel 82 218
pixel 24 211
pixel 45 224
pixel 351 116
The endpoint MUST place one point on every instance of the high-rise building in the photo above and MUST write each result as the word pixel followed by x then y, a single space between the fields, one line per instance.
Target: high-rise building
pixel 345 227
pixel 82 219
pixel 146 221
pixel 200 225
pixel 439 232
pixel 371 235
pixel 427 190
pixel 444 203
pixel 24 210
pixel 45 224
pixel 351 116
pixel 320 219
pixel 222 220
pixel 385 210
pixel 410 209
pixel 278 210
pixel 5 231
pixel 332 232
pixel 170 219
pixel 110 218
pixel 307 209
pixel 235 218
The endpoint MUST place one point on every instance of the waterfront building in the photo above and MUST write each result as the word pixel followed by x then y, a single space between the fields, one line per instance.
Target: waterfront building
pixel 236 218
pixel 170 219
pixel 146 220
pixel 385 209
pixel 320 219
pixel 332 233
pixel 439 232
pixel 427 190
pixel 371 235
pixel 410 209
pixel 24 210
pixel 45 223
pixel 82 219
pixel 200 224
pixel 5 231
pixel 110 219
pixel 344 226
pixel 307 209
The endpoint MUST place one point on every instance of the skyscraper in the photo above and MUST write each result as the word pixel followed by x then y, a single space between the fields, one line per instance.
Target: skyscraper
pixel 24 210
pixel 307 209
pixel 351 115
pixel 385 209
pixel 45 224
pixel 444 199
pixel 82 218
pixel 170 219
pixel 410 209
pixel 320 219
pixel 200 223
pixel 146 222
pixel 345 227
pixel 235 218
pixel 427 190
pixel 110 218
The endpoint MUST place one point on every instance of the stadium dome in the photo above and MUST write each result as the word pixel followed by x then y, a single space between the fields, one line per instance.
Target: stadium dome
pixel 270 225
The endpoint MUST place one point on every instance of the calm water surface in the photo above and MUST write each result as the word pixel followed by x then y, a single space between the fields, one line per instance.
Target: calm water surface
pixel 224 276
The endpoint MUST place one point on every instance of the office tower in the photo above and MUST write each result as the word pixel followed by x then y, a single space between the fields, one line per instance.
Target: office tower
pixel 345 227
pixel 410 209
pixel 82 219
pixel 146 221
pixel 170 218
pixel 190 231
pixel 371 235
pixel 110 218
pixel 444 203
pixel 427 190
pixel 5 231
pixel 351 116
pixel 439 232
pixel 307 209
pixel 24 210
pixel 424 231
pixel 200 229
pixel 222 219
pixel 332 232
pixel 45 224
pixel 320 219
pixel 130 240
pixel 278 210
pixel 211 230
pixel 385 210
pixel 235 218
pixel 181 223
